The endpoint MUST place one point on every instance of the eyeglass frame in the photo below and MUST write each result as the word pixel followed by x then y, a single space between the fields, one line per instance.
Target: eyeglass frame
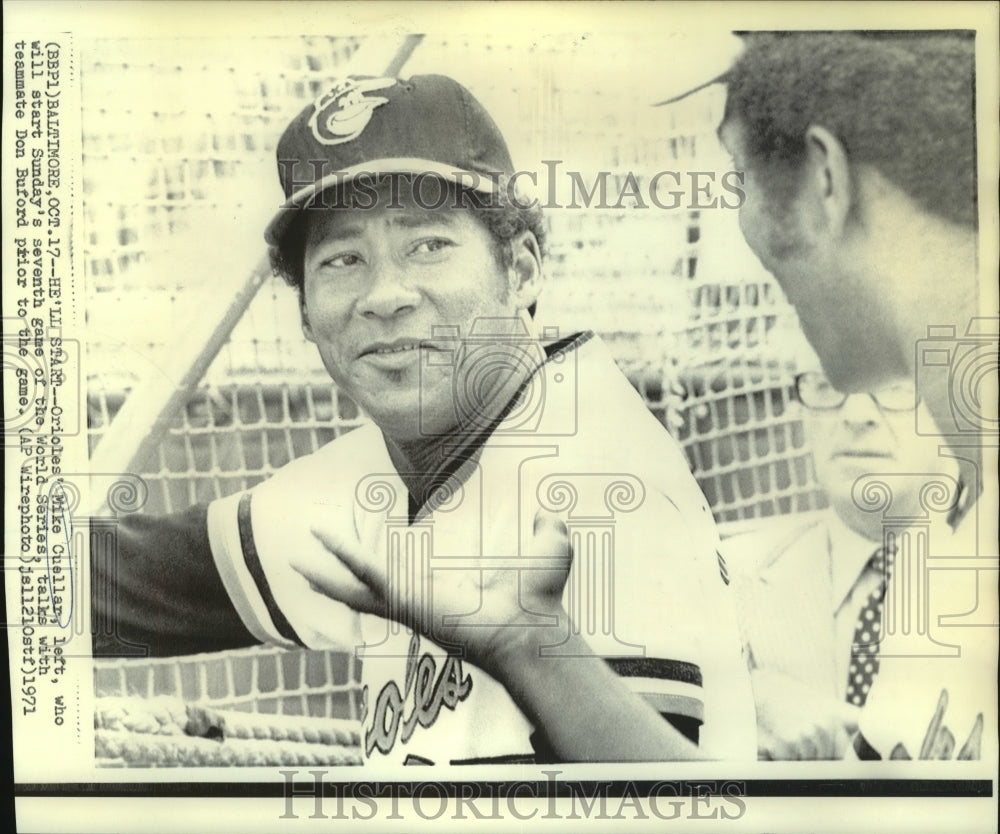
pixel 843 397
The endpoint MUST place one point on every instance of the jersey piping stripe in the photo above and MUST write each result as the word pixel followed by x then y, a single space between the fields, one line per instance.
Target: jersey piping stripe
pixel 229 561
pixel 253 564
pixel 671 704
pixel 864 750
pixel 413 760
pixel 652 667
pixel 512 758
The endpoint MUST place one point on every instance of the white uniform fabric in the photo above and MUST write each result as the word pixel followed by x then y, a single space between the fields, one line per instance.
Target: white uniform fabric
pixel 645 588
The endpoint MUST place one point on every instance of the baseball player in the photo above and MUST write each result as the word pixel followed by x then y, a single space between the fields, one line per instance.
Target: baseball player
pixel 499 544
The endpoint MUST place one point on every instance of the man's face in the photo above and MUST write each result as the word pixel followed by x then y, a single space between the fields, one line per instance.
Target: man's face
pixel 377 283
pixel 774 226
pixel 860 438
pixel 840 306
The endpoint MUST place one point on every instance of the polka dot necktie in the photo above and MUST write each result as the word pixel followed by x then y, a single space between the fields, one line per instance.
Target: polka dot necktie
pixel 867 632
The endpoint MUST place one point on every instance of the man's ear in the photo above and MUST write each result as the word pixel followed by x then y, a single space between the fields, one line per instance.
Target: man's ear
pixel 526 270
pixel 830 177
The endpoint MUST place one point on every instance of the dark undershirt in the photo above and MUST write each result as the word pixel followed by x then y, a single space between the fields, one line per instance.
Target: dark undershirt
pixel 156 591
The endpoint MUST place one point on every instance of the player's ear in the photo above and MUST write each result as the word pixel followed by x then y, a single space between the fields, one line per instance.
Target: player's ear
pixel 525 274
pixel 829 177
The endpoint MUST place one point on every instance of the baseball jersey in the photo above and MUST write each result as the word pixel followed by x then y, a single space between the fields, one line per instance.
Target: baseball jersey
pixel 646 589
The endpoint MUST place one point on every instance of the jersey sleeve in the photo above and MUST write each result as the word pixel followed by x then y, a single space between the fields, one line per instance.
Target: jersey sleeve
pixel 155 590
pixel 675 627
pixel 254 538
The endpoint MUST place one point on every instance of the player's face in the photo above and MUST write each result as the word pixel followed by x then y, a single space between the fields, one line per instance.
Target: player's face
pixel 860 439
pixel 387 294
pixel 839 305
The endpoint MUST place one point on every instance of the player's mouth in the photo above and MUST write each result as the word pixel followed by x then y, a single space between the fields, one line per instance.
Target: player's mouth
pixel 393 355
pixel 387 351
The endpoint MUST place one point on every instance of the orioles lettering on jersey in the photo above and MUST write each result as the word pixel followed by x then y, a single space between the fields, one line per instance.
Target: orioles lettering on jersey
pixel 431 690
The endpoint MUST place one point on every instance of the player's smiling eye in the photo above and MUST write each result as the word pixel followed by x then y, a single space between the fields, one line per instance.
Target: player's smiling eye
pixel 431 245
pixel 341 261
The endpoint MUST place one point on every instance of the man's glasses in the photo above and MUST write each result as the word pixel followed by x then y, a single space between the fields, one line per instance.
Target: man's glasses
pixel 815 391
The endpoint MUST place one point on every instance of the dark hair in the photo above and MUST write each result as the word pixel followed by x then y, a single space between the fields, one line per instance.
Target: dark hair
pixel 902 102
pixel 504 220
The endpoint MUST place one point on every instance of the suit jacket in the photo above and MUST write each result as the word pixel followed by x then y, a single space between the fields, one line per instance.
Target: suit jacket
pixel 799 583
pixel 781 576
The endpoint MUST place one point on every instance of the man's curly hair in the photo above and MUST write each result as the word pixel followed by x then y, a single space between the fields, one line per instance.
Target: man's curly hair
pixel 902 102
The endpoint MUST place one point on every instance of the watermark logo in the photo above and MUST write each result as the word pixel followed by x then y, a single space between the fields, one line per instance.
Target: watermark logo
pixel 501 381
pixel 914 622
pixel 550 798
pixel 551 187
pixel 965 366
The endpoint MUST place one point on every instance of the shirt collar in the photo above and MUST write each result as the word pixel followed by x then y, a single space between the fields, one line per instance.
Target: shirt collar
pixel 453 456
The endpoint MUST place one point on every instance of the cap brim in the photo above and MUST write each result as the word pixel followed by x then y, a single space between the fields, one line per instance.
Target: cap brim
pixel 697 62
pixel 719 79
pixel 305 197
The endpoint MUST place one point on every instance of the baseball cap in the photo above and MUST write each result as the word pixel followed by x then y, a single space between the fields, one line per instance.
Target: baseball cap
pixel 367 125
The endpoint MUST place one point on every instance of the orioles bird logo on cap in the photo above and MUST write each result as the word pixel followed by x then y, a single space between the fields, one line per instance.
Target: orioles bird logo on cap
pixel 340 114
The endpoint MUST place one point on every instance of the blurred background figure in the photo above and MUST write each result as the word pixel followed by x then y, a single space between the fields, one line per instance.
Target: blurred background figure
pixel 809 587
pixel 859 158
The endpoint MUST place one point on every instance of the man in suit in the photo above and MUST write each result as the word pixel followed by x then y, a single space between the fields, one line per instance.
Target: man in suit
pixel 801 581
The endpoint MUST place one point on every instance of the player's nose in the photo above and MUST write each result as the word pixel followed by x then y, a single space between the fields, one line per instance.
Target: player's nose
pixel 390 291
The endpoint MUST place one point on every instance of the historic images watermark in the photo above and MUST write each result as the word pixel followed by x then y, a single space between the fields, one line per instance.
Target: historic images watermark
pixel 307 793
pixel 667 190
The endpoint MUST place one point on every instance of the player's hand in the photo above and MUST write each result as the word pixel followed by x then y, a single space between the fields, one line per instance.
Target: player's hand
pixel 939 741
pixel 482 610
pixel 796 723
